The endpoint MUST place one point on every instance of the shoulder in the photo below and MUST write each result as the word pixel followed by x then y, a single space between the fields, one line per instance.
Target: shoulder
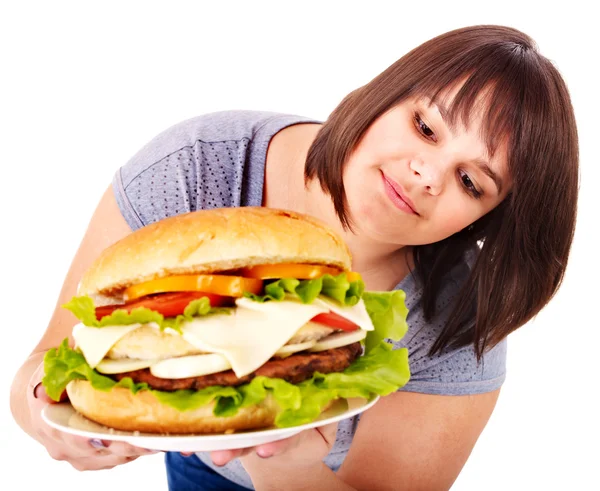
pixel 231 125
pixel 212 128
pixel 213 160
pixel 454 371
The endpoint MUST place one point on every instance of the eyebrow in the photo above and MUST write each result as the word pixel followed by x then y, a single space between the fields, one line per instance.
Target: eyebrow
pixel 481 164
pixel 444 113
pixel 487 170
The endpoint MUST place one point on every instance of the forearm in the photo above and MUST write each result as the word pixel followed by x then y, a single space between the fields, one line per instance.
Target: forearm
pixel 298 479
pixel 22 383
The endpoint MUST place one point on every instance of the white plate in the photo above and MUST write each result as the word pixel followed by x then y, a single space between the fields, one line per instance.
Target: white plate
pixel 63 417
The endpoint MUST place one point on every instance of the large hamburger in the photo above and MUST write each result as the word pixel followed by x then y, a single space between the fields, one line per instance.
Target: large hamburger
pixel 226 320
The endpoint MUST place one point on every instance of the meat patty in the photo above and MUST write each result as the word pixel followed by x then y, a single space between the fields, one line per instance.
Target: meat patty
pixel 294 369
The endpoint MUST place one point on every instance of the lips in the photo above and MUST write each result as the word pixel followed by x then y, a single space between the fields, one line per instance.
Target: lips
pixel 398 196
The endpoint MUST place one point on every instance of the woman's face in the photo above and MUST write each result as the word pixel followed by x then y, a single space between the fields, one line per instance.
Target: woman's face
pixel 413 179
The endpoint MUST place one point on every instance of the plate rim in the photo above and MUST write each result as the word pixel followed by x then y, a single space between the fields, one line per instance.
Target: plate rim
pixel 130 436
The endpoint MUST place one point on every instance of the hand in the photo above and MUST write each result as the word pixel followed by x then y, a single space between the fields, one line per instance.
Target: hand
pixel 309 447
pixel 81 453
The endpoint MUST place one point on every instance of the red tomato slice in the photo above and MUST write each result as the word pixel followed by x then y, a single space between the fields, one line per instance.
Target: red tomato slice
pixel 167 304
pixel 335 321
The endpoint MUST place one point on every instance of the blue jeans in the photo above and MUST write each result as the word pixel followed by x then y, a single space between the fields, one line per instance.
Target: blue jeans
pixel 191 474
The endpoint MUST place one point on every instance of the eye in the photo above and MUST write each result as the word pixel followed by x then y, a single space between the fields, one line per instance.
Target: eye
pixel 425 130
pixel 469 186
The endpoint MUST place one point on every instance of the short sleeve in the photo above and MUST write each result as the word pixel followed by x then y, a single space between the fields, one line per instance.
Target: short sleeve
pixel 454 371
pixel 215 160
pixel 459 373
pixel 196 164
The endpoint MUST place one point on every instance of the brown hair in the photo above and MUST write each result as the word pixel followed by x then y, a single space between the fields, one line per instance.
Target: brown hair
pixel 522 246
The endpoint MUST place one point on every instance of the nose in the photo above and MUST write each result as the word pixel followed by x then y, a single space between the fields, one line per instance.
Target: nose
pixel 427 175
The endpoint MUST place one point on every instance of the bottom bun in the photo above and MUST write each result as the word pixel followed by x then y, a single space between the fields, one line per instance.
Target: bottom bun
pixel 121 409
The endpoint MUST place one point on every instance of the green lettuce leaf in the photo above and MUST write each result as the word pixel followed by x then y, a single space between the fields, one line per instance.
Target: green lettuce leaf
pixel 189 399
pixel 338 287
pixel 83 308
pixel 63 364
pixel 388 313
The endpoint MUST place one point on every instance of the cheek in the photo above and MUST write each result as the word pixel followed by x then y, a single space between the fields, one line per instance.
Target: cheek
pixel 360 184
pixel 386 142
pixel 454 216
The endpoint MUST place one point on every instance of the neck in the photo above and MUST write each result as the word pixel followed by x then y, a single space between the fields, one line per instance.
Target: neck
pixel 382 265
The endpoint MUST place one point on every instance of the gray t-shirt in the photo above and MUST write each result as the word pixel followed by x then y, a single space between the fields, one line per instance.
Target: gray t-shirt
pixel 218 160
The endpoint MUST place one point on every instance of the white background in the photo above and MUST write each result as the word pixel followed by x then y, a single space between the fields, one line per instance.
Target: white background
pixel 84 87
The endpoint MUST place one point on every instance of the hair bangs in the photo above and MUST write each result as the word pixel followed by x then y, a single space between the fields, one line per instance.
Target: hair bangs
pixel 490 85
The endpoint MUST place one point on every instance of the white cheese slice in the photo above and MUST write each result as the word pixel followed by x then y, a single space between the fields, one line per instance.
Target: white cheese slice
pixel 121 366
pixel 338 340
pixel 289 349
pixel 190 366
pixel 357 313
pixel 95 342
pixel 251 335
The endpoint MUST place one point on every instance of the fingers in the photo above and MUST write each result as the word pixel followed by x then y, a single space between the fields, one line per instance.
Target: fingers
pixel 277 448
pixel 320 440
pixel 96 446
pixel 328 432
pixel 86 446
pixel 81 453
pixel 93 454
pixel 39 392
pixel 325 433
pixel 89 447
pixel 123 449
pixel 37 389
pixel 223 457
pixel 95 464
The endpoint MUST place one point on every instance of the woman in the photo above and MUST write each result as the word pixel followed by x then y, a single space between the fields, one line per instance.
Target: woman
pixel 452 176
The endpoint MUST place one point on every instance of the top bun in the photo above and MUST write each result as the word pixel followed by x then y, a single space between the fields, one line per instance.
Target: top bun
pixel 208 241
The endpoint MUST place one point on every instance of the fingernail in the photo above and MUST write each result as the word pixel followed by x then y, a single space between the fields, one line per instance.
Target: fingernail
pixel 97 443
pixel 40 393
pixel 263 453
pixel 220 458
pixel 38 390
